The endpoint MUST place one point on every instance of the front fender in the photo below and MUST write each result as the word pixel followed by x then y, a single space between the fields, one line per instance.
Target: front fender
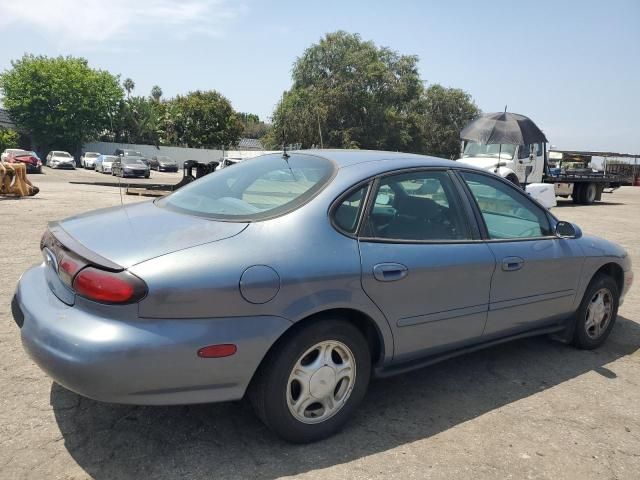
pixel 504 172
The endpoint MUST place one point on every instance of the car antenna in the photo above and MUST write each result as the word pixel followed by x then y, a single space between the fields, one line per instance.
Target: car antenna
pixel 285 155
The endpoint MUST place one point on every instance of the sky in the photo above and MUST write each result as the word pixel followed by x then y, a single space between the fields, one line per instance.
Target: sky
pixel 571 66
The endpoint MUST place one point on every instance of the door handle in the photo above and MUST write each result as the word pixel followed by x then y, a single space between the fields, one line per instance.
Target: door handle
pixel 511 264
pixel 390 272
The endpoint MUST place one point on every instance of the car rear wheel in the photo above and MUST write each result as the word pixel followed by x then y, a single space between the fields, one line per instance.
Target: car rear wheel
pixel 309 384
pixel 597 313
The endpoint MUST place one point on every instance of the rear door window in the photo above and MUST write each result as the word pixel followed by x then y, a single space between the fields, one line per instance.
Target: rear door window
pixel 419 206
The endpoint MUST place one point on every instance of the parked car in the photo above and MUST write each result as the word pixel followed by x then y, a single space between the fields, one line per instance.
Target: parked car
pixel 131 153
pixel 29 158
pixel 294 292
pixel 130 167
pixel 88 160
pixel 163 164
pixel 7 154
pixel 104 163
pixel 60 159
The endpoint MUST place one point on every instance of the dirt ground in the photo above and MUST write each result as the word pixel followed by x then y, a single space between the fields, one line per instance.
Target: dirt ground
pixel 529 409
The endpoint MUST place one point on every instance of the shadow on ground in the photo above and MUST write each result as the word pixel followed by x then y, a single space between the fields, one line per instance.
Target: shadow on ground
pixel 570 204
pixel 227 441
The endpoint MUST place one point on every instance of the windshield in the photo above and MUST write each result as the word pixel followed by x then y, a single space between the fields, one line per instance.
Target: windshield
pixel 132 161
pixel 108 159
pixel 91 155
pixel 505 151
pixel 164 159
pixel 254 190
pixel 61 154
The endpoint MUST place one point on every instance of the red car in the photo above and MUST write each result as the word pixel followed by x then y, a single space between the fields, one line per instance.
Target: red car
pixel 30 159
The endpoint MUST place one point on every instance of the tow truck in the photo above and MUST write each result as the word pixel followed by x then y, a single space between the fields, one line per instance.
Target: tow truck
pixel 570 172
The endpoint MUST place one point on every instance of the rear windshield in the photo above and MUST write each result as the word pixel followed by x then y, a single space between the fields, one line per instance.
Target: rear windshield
pixel 132 161
pixel 91 155
pixel 132 153
pixel 256 189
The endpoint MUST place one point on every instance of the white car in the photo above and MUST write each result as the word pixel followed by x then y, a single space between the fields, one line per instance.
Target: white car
pixel 104 163
pixel 88 160
pixel 60 159
pixel 9 152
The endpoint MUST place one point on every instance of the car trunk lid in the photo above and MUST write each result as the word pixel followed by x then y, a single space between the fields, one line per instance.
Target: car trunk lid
pixel 124 236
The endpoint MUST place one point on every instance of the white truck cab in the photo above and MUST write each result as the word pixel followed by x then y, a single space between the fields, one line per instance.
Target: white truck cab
pixel 508 161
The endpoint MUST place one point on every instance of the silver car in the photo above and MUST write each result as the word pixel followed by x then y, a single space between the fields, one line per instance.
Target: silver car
pixel 88 160
pixel 104 163
pixel 60 159
pixel 293 279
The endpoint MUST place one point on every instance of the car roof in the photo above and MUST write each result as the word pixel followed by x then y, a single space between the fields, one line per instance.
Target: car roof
pixel 346 158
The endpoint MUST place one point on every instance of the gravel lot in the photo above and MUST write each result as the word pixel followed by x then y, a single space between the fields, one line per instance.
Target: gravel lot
pixel 529 409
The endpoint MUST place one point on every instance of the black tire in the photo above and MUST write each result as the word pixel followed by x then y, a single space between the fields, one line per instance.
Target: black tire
pixel 576 195
pixel 582 335
pixel 269 389
pixel 513 179
pixel 588 193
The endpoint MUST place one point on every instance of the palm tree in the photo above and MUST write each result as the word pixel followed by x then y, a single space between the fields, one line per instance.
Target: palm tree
pixel 156 93
pixel 128 85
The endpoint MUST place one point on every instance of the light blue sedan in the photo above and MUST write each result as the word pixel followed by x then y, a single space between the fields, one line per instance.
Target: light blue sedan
pixel 294 278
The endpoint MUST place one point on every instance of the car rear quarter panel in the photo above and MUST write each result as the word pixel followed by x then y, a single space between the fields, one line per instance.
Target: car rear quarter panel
pixel 318 270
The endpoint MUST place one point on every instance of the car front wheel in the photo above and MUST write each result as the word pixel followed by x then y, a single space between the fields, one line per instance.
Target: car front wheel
pixel 309 384
pixel 597 313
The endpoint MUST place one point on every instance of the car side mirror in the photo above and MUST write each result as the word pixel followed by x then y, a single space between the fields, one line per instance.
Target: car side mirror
pixel 567 230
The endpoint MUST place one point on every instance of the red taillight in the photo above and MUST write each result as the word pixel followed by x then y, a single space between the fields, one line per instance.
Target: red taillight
pixel 218 351
pixel 108 287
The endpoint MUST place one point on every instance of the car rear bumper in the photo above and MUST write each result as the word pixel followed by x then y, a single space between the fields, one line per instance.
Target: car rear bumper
pixel 31 168
pixel 140 361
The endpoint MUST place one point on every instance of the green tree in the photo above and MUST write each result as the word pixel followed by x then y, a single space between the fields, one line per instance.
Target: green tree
pixel 204 119
pixel 128 85
pixel 61 101
pixel 8 139
pixel 253 127
pixel 446 112
pixel 156 93
pixel 144 121
pixel 350 93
